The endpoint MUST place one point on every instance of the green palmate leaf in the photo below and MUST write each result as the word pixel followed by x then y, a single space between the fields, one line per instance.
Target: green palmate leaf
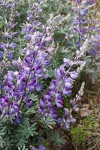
pixel 8 143
pixel 30 111
pixel 21 143
pixel 48 122
pixel 33 97
pixel 23 148
pixel 27 130
pixel 1 142
pixel 3 131
pixel 51 73
pixel 24 132
pixel 58 139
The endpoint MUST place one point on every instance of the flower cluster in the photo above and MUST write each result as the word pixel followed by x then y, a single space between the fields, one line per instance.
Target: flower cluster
pixel 68 119
pixel 84 26
pixel 18 84
pixel 74 103
pixel 80 23
pixel 62 85
pixel 8 45
pixel 30 69
pixel 35 11
pixel 54 98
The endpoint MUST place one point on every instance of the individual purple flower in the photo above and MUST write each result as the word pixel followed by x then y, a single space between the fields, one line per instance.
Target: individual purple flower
pixel 15 34
pixel 73 74
pixel 3 45
pixel 59 104
pixel 67 92
pixel 28 37
pixel 73 120
pixel 75 20
pixel 13 45
pixel 41 147
pixel 28 102
pixel 10 55
pixel 15 107
pixel 27 28
pixel 59 120
pixel 17 119
pixel 67 62
pixel 93 52
pixel 82 12
pixel 67 125
pixel 1 54
pixel 68 83
pixel 38 87
pixel 66 112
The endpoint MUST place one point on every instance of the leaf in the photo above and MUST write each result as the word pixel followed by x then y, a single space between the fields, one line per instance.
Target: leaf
pixel 1 142
pixel 26 130
pixel 51 73
pixel 3 131
pixel 30 111
pixel 21 143
pixel 33 97
pixel 58 139
pixel 49 122
pixel 23 148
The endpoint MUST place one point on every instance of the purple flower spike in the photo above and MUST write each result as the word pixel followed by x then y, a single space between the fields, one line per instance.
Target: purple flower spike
pixel 67 125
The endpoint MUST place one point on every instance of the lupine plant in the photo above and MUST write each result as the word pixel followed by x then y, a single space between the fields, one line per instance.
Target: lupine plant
pixel 36 83
pixel 8 35
pixel 84 27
